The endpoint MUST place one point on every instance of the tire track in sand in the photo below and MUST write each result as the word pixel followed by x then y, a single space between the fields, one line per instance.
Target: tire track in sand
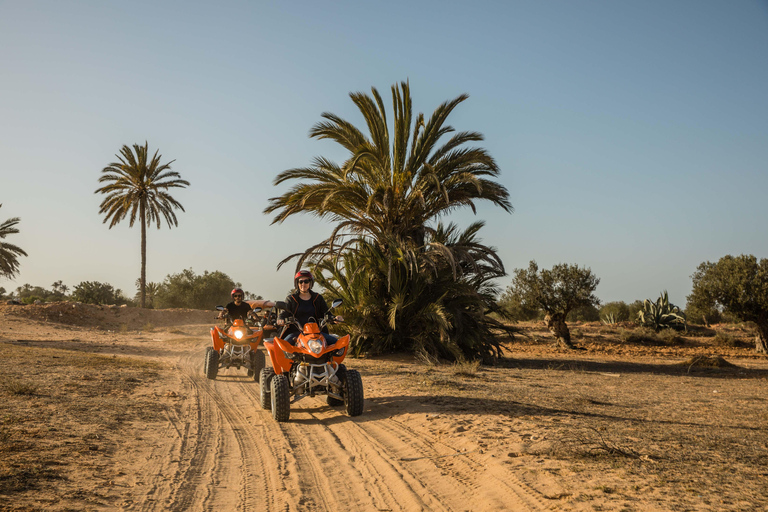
pixel 232 455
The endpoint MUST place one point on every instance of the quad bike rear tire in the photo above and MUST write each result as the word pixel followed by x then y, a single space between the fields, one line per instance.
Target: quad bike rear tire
pixel 211 364
pixel 334 402
pixel 353 393
pixel 280 398
pixel 258 362
pixel 265 380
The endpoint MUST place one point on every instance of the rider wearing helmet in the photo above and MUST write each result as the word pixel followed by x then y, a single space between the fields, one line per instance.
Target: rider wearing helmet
pixel 303 305
pixel 237 308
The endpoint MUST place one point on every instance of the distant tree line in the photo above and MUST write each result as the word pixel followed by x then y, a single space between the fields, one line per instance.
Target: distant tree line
pixel 182 290
pixel 734 289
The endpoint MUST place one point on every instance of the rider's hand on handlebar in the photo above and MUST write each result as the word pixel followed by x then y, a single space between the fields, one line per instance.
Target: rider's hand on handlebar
pixel 339 318
pixel 280 321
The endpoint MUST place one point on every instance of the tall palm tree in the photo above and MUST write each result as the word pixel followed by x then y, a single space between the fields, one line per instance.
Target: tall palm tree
pixel 386 190
pixel 135 185
pixel 9 253
pixel 410 281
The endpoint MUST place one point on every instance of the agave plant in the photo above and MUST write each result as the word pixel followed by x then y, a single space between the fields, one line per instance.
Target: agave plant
pixel 661 314
pixel 610 319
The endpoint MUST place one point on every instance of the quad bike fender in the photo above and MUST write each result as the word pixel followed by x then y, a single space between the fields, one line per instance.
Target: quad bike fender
pixel 218 342
pixel 257 338
pixel 280 363
pixel 343 342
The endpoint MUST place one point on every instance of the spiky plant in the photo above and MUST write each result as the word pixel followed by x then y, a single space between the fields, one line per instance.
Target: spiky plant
pixel 661 314
pixel 9 253
pixel 136 185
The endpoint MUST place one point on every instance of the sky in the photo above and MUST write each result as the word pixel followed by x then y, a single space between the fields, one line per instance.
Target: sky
pixel 632 136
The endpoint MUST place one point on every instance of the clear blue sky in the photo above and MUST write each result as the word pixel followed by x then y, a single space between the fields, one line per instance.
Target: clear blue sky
pixel 632 135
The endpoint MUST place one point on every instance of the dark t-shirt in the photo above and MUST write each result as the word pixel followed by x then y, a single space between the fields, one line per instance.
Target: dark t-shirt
pixel 240 311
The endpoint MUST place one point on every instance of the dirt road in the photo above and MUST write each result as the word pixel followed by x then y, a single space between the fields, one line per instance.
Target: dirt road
pixel 106 409
pixel 221 451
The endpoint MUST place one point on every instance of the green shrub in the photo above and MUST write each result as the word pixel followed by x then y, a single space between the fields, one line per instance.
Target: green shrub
pixel 189 290
pixel 587 313
pixel 94 292
pixel 614 312
pixel 639 336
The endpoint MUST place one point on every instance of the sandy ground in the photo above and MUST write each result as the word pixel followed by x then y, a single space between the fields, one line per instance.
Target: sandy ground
pixel 108 409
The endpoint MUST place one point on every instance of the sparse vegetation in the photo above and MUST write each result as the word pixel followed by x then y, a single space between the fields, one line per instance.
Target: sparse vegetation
pixel 558 291
pixel 94 292
pixel 737 285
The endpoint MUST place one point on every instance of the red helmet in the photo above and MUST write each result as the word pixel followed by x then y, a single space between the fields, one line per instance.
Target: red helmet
pixel 305 274
pixel 238 290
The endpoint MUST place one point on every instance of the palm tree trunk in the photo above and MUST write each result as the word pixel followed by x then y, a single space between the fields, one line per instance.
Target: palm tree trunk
pixel 143 284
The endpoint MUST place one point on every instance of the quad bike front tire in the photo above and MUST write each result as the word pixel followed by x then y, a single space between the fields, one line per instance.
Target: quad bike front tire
pixel 280 398
pixel 258 362
pixel 353 393
pixel 265 381
pixel 334 402
pixel 211 364
pixel 205 360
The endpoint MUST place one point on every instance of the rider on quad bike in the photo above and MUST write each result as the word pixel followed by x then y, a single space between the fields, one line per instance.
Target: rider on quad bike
pixel 237 308
pixel 303 305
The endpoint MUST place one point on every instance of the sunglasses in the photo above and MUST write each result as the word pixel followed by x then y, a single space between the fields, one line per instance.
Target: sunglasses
pixel 304 281
pixel 237 296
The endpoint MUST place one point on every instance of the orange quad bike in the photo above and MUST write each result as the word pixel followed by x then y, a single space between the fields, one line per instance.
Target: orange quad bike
pixel 237 344
pixel 308 368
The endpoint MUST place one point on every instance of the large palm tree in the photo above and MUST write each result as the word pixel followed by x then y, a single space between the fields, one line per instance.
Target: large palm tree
pixel 411 280
pixel 135 186
pixel 390 188
pixel 9 253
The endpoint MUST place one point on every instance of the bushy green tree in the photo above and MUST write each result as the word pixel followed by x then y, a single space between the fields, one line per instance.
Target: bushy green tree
pixel 139 185
pixel 9 253
pixel 614 312
pixel 94 292
pixel 189 290
pixel 558 291
pixel 387 248
pixel 737 285
pixel 587 313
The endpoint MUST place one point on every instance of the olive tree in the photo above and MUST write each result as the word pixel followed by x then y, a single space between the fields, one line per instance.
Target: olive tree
pixel 736 285
pixel 557 291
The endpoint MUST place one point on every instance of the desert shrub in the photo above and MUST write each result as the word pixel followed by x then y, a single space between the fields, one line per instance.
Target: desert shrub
pixel 670 337
pixel 614 312
pixel 518 311
pixel 94 292
pixel 588 313
pixel 466 368
pixel 639 336
pixel 189 290
pixel 634 309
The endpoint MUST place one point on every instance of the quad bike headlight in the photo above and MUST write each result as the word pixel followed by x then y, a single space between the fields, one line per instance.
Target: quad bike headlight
pixel 315 346
pixel 239 335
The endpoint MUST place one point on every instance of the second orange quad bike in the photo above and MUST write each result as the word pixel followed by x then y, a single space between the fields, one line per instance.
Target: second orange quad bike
pixel 237 344
pixel 308 368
